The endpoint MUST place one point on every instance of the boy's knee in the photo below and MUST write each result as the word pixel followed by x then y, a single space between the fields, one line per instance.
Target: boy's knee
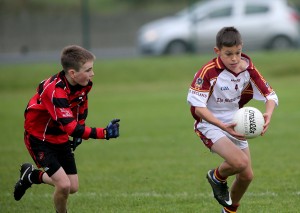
pixel 73 189
pixel 241 164
pixel 64 187
pixel 246 176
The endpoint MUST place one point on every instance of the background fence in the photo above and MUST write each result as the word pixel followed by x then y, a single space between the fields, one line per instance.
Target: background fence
pixel 37 26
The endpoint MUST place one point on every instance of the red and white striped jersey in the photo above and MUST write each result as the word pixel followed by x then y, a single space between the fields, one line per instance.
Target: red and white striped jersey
pixel 223 92
pixel 59 110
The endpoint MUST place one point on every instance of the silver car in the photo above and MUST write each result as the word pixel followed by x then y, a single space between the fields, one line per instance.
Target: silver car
pixel 264 24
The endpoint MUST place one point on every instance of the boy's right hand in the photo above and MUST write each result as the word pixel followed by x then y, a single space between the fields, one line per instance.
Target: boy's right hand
pixel 230 129
pixel 75 142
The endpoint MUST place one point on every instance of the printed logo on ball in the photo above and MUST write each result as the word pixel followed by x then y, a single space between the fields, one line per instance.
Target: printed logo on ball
pixel 252 121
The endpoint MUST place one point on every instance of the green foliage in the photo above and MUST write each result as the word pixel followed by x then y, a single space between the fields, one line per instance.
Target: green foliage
pixel 102 6
pixel 158 164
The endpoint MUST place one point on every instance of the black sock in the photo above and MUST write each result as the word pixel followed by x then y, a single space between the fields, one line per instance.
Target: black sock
pixel 36 176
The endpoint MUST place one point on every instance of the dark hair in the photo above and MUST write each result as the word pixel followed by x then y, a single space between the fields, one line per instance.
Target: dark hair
pixel 73 57
pixel 228 37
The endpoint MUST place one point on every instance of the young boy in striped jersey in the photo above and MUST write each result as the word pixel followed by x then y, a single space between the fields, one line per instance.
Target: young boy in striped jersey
pixel 218 90
pixel 57 111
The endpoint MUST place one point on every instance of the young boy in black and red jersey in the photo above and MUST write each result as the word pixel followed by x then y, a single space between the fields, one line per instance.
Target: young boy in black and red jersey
pixel 218 90
pixel 57 111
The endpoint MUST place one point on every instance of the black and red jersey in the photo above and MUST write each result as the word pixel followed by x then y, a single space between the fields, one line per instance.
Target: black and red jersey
pixel 59 110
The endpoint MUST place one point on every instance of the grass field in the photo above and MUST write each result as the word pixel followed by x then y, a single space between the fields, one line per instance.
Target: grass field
pixel 158 164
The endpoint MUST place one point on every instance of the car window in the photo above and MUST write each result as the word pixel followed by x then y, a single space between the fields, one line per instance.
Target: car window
pixel 256 9
pixel 219 13
pixel 194 9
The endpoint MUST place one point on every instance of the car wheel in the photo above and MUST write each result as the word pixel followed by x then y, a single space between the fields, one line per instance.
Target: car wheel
pixel 280 43
pixel 176 47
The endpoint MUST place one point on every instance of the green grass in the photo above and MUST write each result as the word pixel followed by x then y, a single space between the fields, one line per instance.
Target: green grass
pixel 158 164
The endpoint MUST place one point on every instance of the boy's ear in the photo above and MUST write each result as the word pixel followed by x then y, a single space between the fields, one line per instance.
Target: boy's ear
pixel 71 73
pixel 217 50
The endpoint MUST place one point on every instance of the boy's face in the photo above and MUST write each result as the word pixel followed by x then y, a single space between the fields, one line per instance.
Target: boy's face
pixel 84 75
pixel 230 56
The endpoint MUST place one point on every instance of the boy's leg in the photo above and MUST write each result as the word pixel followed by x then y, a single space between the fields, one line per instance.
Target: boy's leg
pixel 240 185
pixel 242 181
pixel 73 180
pixel 55 175
pixel 235 162
pixel 74 183
pixel 235 159
pixel 62 185
pixel 62 174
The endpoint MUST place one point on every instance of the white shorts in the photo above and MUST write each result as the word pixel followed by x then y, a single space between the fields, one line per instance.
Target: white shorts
pixel 209 134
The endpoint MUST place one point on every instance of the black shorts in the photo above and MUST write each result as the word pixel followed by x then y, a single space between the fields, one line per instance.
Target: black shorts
pixel 51 156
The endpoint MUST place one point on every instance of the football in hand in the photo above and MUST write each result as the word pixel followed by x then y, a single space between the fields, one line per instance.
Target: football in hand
pixel 249 122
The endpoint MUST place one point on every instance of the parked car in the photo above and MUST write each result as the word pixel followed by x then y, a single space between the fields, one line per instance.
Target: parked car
pixel 264 24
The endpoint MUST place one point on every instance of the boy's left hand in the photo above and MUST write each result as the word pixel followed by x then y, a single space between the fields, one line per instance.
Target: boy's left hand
pixel 112 129
pixel 267 118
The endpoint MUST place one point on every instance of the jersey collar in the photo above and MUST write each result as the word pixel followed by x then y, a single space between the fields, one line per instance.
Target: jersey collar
pixel 221 66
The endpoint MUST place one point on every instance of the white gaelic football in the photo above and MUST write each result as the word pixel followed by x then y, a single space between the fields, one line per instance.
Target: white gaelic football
pixel 249 122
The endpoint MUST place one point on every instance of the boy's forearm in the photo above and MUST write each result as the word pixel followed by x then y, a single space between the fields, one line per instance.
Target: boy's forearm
pixel 206 114
pixel 270 106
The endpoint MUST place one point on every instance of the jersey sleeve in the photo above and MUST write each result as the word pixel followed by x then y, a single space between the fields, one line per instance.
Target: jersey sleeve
pixel 199 90
pixel 261 89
